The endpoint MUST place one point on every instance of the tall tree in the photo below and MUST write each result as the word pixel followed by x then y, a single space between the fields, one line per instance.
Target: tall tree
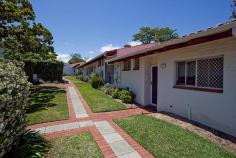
pixel 147 34
pixel 75 58
pixel 20 36
pixel 233 16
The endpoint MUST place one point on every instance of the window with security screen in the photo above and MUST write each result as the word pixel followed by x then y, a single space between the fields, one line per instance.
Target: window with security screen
pixel 203 73
pixel 136 64
pixel 126 65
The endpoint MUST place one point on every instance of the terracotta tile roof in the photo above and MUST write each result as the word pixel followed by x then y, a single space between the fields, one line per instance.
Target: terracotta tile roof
pixel 125 51
pixel 75 64
pixel 142 49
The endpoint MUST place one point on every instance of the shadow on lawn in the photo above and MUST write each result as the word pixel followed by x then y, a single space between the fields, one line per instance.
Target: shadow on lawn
pixel 40 98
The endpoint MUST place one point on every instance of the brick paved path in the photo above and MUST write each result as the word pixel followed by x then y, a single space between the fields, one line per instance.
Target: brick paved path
pixel 112 140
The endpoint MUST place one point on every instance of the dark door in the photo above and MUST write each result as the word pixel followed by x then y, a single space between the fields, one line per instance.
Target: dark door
pixel 154 84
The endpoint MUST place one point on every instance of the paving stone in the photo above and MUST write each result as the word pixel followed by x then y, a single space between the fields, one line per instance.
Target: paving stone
pixel 69 126
pixel 105 130
pixel 86 123
pixel 102 124
pixel 41 130
pixel 78 107
pixel 131 155
pixel 121 148
pixel 54 128
pixel 81 115
pixel 113 137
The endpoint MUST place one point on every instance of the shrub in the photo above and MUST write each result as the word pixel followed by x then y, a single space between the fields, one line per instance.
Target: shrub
pixel 14 89
pixel 96 81
pixel 127 96
pixel 81 77
pixel 30 144
pixel 108 89
pixel 86 78
pixel 127 99
pixel 115 93
pixel 92 75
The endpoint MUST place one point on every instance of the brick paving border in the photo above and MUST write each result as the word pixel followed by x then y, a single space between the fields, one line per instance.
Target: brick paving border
pixel 107 116
pixel 69 102
pixel 105 148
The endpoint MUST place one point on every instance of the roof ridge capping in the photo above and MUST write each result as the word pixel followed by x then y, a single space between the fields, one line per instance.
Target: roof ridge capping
pixel 219 28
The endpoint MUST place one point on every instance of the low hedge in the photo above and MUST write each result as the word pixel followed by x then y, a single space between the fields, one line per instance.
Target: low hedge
pixel 14 90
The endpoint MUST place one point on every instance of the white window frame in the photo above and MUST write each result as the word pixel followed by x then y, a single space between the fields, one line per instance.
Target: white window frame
pixel 124 63
pixel 135 67
pixel 196 70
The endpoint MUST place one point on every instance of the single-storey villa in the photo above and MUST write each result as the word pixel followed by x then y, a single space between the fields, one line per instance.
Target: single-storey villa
pixel 192 76
pixel 70 69
pixel 98 66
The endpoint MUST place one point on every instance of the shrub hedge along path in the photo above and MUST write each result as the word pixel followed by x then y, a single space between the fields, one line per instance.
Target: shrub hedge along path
pixel 97 128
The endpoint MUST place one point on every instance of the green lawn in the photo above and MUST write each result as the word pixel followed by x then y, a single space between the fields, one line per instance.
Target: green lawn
pixel 96 99
pixel 46 104
pixel 165 140
pixel 77 146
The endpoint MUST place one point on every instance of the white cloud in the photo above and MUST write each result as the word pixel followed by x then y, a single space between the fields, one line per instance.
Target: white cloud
pixel 134 43
pixel 91 52
pixel 63 57
pixel 108 47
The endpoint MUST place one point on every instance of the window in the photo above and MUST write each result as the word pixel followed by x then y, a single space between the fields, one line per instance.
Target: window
pixel 136 64
pixel 203 73
pixel 191 72
pixel 101 74
pixel 127 65
pixel 100 62
pixel 90 69
pixel 210 73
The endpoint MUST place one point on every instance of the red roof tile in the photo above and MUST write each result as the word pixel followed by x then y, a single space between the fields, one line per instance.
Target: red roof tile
pixel 125 51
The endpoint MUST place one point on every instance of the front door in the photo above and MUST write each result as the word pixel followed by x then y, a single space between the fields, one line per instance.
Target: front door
pixel 154 84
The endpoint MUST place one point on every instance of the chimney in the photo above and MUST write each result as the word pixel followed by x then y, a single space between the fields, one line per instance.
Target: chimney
pixel 127 46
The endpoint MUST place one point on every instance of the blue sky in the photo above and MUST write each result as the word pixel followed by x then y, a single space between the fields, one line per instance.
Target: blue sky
pixel 91 26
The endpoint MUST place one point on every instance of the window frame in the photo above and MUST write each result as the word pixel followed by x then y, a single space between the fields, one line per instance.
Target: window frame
pixel 99 63
pixel 196 87
pixel 124 65
pixel 136 67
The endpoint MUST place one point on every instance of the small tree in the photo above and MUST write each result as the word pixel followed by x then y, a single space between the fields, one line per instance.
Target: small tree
pixel 147 35
pixel 75 58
